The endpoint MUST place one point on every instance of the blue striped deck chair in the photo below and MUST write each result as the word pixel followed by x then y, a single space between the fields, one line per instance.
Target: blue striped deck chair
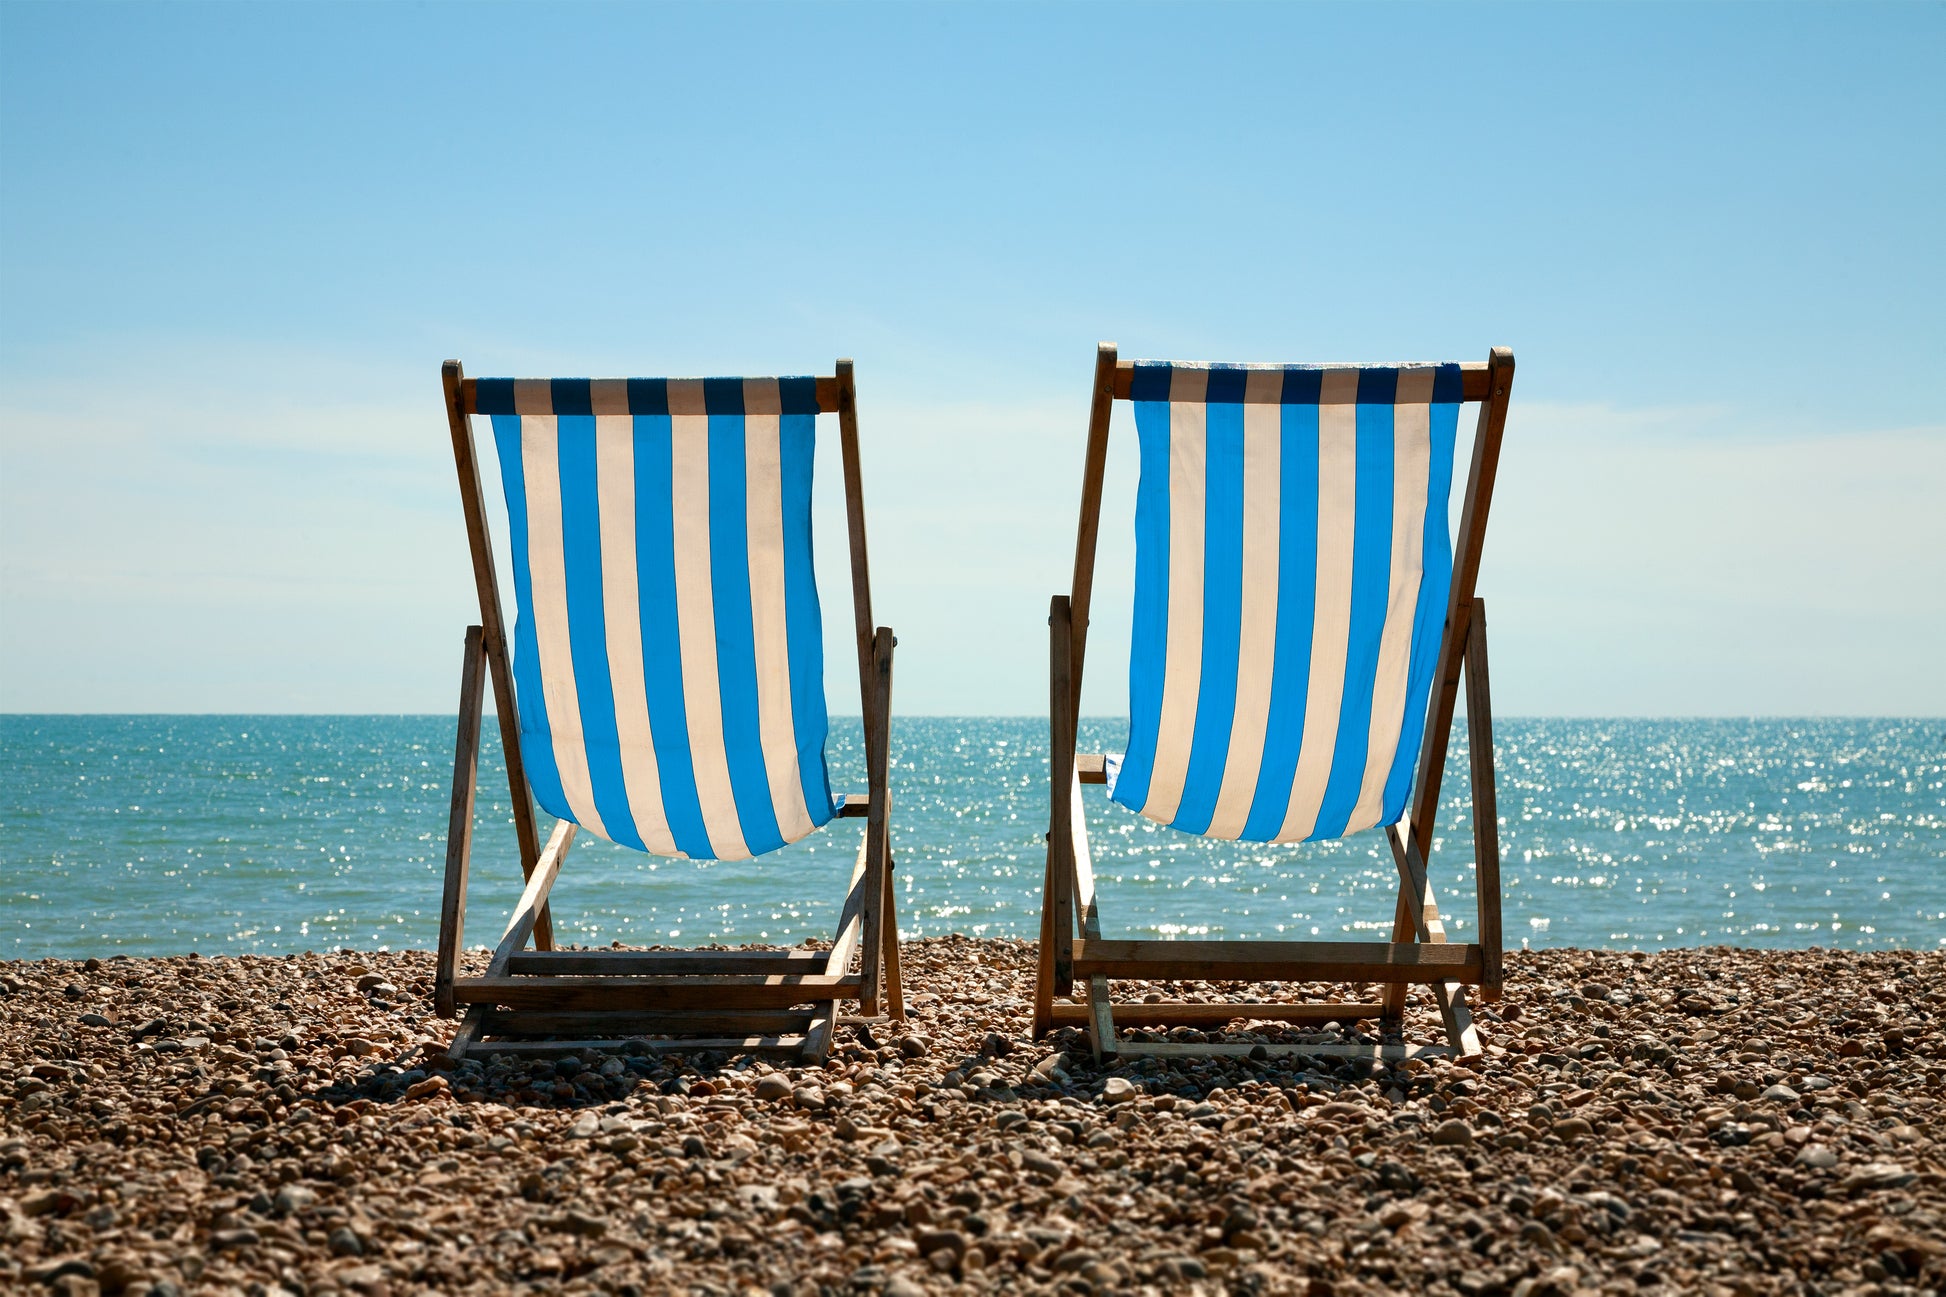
pixel 665 691
pixel 1302 618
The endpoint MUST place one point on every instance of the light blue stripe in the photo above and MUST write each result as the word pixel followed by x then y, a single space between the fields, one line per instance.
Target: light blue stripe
pixel 1371 581
pixel 736 651
pixel 588 627
pixel 1216 693
pixel 536 739
pixel 655 575
pixel 1429 618
pixel 1150 628
pixel 803 620
pixel 1297 599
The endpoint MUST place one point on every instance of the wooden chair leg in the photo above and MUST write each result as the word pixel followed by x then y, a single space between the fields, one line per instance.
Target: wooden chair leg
pixel 877 829
pixel 459 827
pixel 1054 969
pixel 1486 809
pixel 894 986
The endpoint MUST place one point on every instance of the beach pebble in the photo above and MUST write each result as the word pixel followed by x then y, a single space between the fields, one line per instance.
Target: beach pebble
pixel 773 1087
pixel 294 1198
pixel 1118 1089
pixel 1818 1157
pixel 1452 1133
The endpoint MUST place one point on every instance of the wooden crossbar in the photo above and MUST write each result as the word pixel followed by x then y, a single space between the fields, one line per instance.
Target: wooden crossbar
pixel 624 1023
pixel 735 991
pixel 1284 961
pixel 785 1044
pixel 1188 1013
pixel 595 963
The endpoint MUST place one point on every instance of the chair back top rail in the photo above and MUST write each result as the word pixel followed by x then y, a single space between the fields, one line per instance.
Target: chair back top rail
pixel 608 395
pixel 1474 382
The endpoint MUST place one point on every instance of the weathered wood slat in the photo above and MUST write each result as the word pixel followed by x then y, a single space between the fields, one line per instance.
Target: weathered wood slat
pixel 1176 1013
pixel 625 1024
pixel 652 992
pixel 533 901
pixel 1092 767
pixel 1290 961
pixel 1244 1049
pixel 789 1044
pixel 642 963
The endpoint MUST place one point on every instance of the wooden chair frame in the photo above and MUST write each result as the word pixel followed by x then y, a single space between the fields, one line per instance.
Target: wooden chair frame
pixel 780 1001
pixel 1071 944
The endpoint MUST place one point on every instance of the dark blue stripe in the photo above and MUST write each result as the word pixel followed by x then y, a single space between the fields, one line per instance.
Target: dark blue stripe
pixel 1435 590
pixel 1226 385
pixel 1446 385
pixel 1378 385
pixel 798 395
pixel 803 620
pixel 1151 381
pixel 1371 575
pixel 588 628
pixel 571 395
pixel 1297 600
pixel 1149 630
pixel 536 738
pixel 736 649
pixel 655 575
pixel 493 396
pixel 648 396
pixel 723 396
pixel 1216 692
pixel 1303 385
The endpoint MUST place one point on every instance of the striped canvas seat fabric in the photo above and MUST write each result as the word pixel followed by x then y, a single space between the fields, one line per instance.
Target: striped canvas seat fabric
pixel 668 654
pixel 1292 567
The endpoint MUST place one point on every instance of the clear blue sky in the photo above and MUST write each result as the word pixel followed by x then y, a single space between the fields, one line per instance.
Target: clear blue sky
pixel 237 240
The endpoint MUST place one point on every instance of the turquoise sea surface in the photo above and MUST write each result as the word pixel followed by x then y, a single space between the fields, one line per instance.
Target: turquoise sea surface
pixel 231 834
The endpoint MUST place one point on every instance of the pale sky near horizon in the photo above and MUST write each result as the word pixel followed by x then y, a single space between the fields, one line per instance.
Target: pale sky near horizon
pixel 236 241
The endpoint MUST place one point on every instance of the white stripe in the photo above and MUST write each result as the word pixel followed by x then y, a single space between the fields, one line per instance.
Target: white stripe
pixel 621 606
pixel 763 471
pixel 540 459
pixel 1411 468
pixel 1331 626
pixel 1263 446
pixel 533 396
pixel 609 396
pixel 1183 648
pixel 696 619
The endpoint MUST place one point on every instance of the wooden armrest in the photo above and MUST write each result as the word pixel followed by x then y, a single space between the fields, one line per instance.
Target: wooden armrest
pixel 1093 767
pixel 855 806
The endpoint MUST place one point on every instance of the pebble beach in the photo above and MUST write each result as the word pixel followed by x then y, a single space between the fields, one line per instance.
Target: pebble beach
pixel 1719 1121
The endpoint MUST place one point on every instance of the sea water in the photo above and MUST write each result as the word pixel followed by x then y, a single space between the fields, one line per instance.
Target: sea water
pixel 232 834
